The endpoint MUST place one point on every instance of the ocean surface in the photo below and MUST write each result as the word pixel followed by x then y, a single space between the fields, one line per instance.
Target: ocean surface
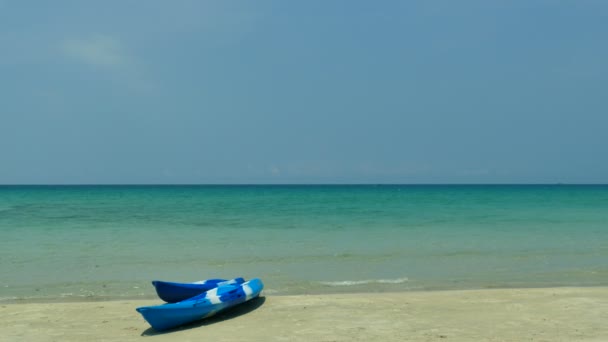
pixel 108 242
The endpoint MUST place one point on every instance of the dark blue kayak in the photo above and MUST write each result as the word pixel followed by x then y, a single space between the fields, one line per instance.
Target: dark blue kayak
pixel 167 316
pixel 172 292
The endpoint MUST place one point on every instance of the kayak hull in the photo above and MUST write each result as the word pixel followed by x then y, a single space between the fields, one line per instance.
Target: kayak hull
pixel 167 316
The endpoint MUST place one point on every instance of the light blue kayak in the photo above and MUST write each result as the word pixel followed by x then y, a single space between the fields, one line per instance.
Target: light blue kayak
pixel 172 292
pixel 167 316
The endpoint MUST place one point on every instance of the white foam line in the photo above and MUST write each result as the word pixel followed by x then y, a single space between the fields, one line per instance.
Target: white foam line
pixel 364 282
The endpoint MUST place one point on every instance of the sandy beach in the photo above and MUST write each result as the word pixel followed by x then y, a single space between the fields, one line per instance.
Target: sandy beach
pixel 548 314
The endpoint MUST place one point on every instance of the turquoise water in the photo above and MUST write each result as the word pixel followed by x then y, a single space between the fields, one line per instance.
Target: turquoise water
pixel 100 242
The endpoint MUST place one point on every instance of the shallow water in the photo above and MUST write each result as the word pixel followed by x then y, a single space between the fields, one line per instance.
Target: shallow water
pixel 97 242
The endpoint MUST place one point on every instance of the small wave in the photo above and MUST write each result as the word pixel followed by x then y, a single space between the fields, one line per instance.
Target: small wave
pixel 8 299
pixel 364 282
pixel 271 291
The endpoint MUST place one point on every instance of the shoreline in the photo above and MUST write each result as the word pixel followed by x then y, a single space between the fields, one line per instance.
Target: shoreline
pixel 272 293
pixel 541 314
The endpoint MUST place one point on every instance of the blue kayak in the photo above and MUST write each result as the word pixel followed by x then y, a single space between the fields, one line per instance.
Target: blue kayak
pixel 172 292
pixel 167 316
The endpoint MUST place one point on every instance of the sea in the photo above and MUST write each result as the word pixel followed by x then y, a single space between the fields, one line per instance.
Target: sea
pixel 75 243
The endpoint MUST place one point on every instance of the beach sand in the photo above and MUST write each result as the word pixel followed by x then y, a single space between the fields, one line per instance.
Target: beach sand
pixel 548 314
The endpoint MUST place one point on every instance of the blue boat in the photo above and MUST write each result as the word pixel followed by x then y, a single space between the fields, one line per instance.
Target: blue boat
pixel 167 316
pixel 172 292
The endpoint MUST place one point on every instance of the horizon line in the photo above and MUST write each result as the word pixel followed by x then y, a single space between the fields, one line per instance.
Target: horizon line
pixel 298 184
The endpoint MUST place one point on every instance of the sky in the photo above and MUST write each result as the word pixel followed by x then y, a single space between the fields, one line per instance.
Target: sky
pixel 208 92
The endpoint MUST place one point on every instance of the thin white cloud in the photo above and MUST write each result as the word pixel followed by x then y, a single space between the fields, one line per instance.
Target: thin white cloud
pixel 99 50
pixel 275 171
pixel 108 53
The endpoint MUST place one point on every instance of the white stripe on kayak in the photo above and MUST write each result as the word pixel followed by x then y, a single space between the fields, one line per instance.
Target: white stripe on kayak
pixel 248 290
pixel 227 282
pixel 214 299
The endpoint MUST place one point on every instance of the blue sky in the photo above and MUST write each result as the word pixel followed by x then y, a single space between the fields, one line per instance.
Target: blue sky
pixel 303 91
